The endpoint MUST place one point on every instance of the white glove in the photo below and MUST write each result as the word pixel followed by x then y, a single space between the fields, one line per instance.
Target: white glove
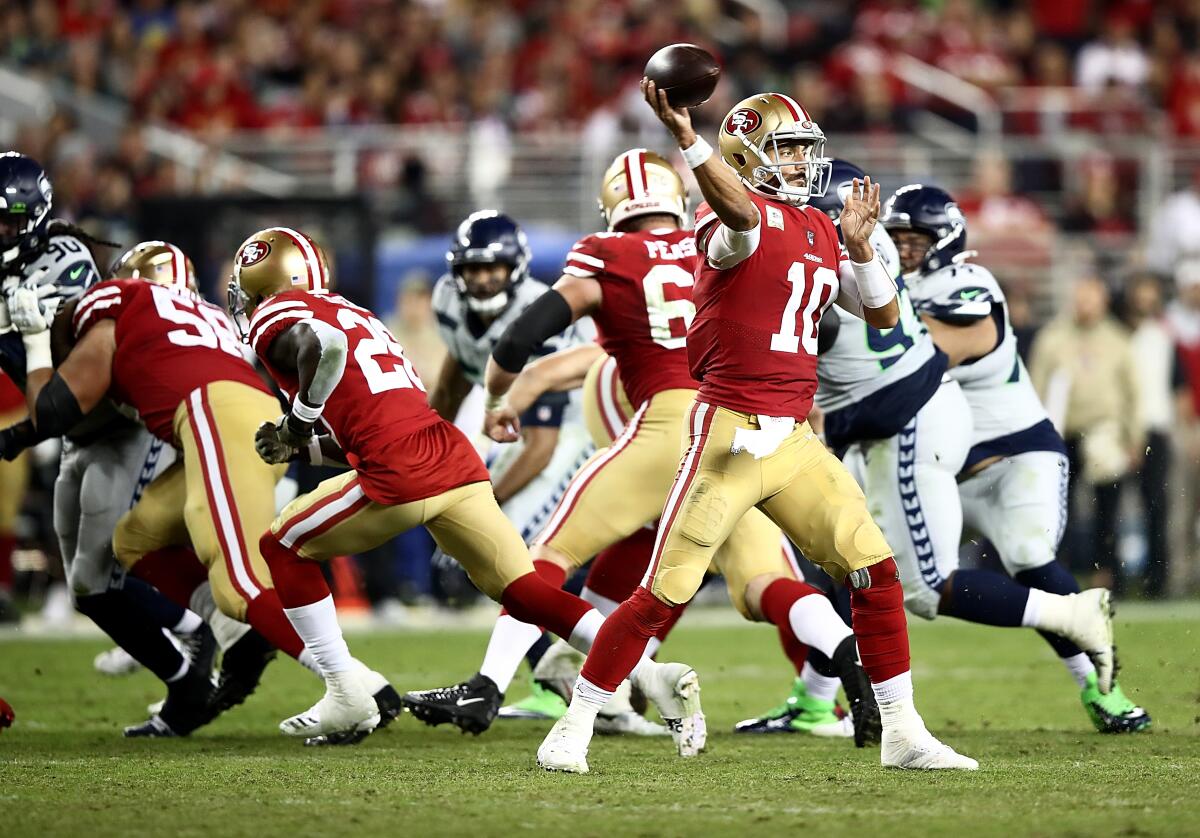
pixel 32 309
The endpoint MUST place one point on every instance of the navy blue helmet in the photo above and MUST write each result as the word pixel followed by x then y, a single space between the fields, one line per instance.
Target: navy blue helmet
pixel 842 176
pixel 488 237
pixel 929 210
pixel 25 198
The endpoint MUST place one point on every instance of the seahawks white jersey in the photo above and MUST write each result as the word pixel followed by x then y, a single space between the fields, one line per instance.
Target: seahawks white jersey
pixel 865 362
pixel 1007 414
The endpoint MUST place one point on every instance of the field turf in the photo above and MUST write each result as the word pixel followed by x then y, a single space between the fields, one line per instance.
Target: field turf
pixel 994 694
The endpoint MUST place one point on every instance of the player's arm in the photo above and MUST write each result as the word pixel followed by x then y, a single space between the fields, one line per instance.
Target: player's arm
pixel 58 399
pixel 540 442
pixel 719 185
pixel 451 387
pixel 555 373
pixel 315 352
pixel 966 338
pixel 873 288
pixel 571 297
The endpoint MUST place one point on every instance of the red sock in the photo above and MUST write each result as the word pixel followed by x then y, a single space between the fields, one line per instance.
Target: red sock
pixel 554 574
pixel 777 602
pixel 298 581
pixel 622 639
pixel 265 615
pixel 662 631
pixel 618 570
pixel 8 543
pixel 531 599
pixel 175 571
pixel 879 623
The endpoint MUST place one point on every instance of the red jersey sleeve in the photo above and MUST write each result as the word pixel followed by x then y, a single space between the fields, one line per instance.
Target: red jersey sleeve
pixel 587 258
pixel 101 302
pixel 274 317
pixel 706 221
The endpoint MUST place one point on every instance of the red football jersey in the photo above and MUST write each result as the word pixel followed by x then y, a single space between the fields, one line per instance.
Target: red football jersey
pixel 753 343
pixel 378 407
pixel 169 343
pixel 11 397
pixel 646 278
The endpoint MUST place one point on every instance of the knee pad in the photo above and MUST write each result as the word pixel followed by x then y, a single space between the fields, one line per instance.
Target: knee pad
pixel 229 602
pixel 86 577
pixel 677 579
pixel 703 513
pixel 1028 553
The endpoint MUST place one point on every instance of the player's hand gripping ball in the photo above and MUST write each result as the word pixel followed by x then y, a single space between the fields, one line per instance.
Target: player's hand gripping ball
pixel 685 72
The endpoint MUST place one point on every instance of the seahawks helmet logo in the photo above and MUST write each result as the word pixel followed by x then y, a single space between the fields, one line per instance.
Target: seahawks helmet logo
pixel 253 253
pixel 743 121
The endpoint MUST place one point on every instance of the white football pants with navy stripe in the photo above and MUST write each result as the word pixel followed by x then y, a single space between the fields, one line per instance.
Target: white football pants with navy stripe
pixel 1019 504
pixel 530 508
pixel 96 485
pixel 912 493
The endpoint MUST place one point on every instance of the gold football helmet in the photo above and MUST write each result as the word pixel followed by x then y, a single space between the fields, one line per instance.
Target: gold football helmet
pixel 270 262
pixel 750 138
pixel 640 182
pixel 159 262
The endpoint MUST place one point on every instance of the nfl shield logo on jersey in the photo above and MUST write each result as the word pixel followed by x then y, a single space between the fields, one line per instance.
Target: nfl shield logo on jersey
pixel 812 239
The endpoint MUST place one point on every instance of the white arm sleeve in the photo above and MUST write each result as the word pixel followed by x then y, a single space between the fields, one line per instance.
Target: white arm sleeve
pixel 847 296
pixel 726 248
pixel 332 363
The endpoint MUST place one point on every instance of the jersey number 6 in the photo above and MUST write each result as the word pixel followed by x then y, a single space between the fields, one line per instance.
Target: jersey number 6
pixel 660 311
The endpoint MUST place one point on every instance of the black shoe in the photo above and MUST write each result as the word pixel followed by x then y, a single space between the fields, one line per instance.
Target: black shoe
pixel 199 647
pixel 471 706
pixel 868 726
pixel 242 667
pixel 188 706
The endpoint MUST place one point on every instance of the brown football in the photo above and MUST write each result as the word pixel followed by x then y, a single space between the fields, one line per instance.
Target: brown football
pixel 687 72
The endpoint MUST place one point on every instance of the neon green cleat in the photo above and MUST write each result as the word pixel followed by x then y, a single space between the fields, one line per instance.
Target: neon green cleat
pixel 1112 713
pixel 542 703
pixel 801 713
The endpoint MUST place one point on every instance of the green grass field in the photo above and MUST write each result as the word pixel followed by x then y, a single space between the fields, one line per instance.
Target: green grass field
pixel 995 694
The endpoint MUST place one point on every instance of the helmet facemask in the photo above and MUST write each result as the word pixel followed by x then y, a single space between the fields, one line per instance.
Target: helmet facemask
pixel 240 307
pixel 491 304
pixel 768 174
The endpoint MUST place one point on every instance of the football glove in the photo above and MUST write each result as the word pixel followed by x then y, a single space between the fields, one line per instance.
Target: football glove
pixel 15 439
pixel 269 446
pixel 32 308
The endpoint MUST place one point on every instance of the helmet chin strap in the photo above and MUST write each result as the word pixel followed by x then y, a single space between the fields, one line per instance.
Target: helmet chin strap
pixel 490 305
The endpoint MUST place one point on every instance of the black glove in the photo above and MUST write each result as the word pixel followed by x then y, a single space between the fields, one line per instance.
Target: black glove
pixel 16 439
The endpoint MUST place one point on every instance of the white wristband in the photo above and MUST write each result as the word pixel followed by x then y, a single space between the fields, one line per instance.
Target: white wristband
pixel 875 288
pixel 37 352
pixel 493 402
pixel 695 154
pixel 305 413
pixel 314 451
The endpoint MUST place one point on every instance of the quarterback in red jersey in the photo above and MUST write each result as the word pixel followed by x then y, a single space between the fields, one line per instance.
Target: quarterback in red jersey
pixel 342 368
pixel 636 282
pixel 770 267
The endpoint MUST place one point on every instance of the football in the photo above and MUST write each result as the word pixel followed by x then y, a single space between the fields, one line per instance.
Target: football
pixel 686 72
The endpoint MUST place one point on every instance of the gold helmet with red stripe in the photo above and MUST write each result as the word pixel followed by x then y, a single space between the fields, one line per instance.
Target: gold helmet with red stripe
pixel 270 262
pixel 750 138
pixel 159 262
pixel 640 182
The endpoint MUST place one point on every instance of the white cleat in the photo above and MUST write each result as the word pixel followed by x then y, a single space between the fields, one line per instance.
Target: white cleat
pixel 618 717
pixel 843 728
pixel 675 690
pixel 565 747
pixel 115 661
pixel 920 750
pixel 1091 629
pixel 346 708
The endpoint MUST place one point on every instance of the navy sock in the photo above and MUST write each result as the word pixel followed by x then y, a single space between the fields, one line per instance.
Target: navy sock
pixel 537 650
pixel 986 597
pixel 1053 578
pixel 157 607
pixel 133 630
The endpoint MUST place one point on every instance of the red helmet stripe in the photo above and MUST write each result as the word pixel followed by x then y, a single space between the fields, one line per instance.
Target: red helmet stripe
pixel 311 261
pixel 798 113
pixel 178 266
pixel 635 172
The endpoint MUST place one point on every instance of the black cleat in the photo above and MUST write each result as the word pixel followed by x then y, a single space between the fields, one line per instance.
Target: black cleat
pixel 868 726
pixel 188 706
pixel 200 647
pixel 242 667
pixel 471 706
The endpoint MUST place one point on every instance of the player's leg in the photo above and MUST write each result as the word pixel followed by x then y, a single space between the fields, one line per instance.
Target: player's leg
pixel 14 480
pixel 336 518
pixel 231 501
pixel 711 491
pixel 1018 504
pixel 824 513
pixel 637 468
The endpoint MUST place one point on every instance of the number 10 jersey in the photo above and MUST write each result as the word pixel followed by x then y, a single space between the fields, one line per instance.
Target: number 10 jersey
pixel 646 280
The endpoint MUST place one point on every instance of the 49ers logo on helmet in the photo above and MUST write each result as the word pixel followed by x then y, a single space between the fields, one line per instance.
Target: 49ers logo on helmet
pixel 743 121
pixel 253 253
